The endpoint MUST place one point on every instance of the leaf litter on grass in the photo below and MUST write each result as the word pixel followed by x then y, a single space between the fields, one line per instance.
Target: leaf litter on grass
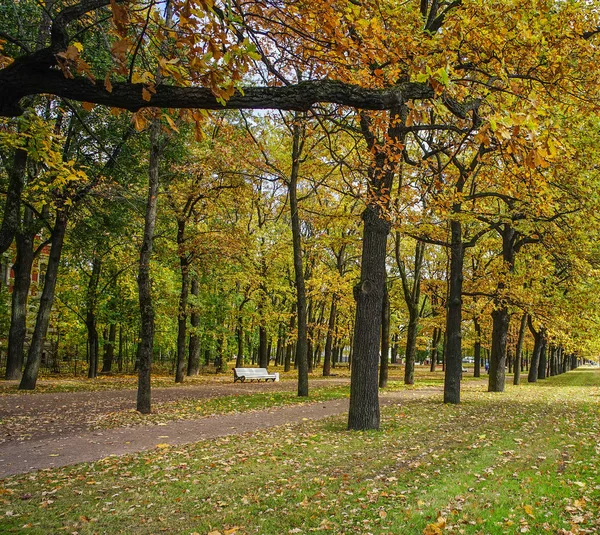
pixel 522 462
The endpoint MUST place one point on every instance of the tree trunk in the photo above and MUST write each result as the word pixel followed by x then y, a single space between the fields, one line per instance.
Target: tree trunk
pixel 369 292
pixel 453 362
pixel 543 362
pixel 500 316
pixel 109 352
pixel 395 349
pixel 194 346
pixel 500 322
pixel 519 350
pixel 146 345
pixel 290 347
pixel 120 358
pixel 34 356
pixel 90 317
pixel 477 349
pixel 18 313
pixel 329 338
pixel 183 303
pixel 92 341
pixel 435 342
pixel 364 397
pixel 12 206
pixel 385 340
pixel 535 356
pixel 301 343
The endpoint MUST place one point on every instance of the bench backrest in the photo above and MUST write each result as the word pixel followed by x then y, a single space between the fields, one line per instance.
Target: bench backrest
pixel 251 372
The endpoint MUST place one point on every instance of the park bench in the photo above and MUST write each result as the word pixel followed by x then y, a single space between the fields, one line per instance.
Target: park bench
pixel 241 374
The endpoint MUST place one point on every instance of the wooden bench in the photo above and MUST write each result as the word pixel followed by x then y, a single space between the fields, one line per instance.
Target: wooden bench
pixel 241 374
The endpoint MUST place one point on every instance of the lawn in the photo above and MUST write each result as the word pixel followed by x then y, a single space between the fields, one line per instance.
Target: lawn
pixel 525 461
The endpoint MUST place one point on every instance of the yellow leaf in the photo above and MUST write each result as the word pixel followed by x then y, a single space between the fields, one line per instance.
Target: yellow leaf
pixel 171 122
pixel 163 446
pixel 146 95
pixel 528 509
pixel 78 46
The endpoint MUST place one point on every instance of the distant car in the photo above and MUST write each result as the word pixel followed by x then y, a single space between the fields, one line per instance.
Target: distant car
pixel 468 360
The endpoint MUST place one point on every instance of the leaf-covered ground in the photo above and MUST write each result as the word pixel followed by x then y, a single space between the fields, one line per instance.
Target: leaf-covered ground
pixel 523 461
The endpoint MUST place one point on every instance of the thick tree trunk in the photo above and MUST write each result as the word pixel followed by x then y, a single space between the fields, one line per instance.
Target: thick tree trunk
pixel 34 356
pixel 453 362
pixel 385 341
pixel 18 314
pixel 146 345
pixel 329 338
pixel 519 350
pixel 194 346
pixel 500 316
pixel 364 397
pixel 500 323
pixel 543 361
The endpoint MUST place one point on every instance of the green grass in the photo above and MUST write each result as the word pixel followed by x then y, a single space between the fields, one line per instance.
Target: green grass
pixel 525 461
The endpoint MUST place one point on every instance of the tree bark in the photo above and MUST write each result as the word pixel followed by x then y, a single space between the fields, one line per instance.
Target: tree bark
pixel 477 348
pixel 412 297
pixel 34 356
pixel 329 338
pixel 183 303
pixel 435 342
pixel 543 360
pixel 194 346
pixel 302 342
pixel 287 364
pixel 385 340
pixel 364 398
pixel 497 373
pixel 12 206
pixel 535 356
pixel 501 316
pixel 369 292
pixel 453 363
pixel 18 313
pixel 146 345
pixel 519 350
pixel 90 317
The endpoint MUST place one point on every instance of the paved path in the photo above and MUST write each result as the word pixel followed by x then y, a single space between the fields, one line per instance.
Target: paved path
pixel 36 416
pixel 73 447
